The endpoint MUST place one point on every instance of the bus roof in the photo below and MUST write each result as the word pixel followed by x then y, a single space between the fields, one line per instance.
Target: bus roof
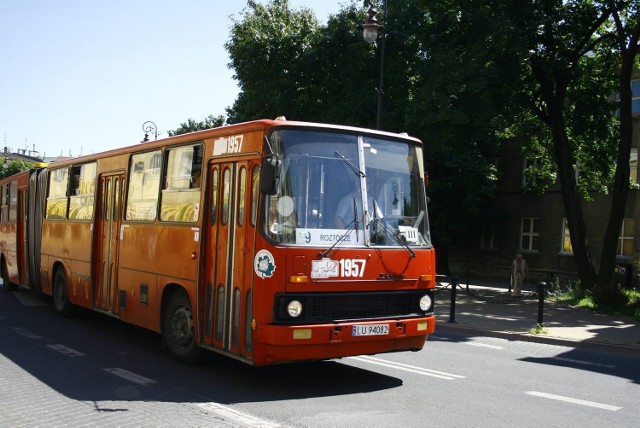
pixel 255 125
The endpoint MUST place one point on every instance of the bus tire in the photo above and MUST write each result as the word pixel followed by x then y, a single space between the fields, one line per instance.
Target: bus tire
pixel 61 301
pixel 6 283
pixel 178 329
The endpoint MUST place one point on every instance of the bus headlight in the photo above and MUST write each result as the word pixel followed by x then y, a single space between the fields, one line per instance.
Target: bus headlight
pixel 425 303
pixel 294 308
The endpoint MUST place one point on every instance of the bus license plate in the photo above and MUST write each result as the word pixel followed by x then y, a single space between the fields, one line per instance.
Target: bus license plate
pixel 370 330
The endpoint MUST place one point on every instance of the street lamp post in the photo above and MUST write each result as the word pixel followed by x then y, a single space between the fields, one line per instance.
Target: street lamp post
pixel 370 29
pixel 149 127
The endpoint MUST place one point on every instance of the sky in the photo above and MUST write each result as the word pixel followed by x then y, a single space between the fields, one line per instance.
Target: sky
pixel 79 77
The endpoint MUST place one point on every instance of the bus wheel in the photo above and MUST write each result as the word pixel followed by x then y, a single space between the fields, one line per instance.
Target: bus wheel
pixel 178 329
pixel 61 301
pixel 6 284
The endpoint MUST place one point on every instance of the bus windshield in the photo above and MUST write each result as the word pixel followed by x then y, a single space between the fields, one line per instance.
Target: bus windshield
pixel 346 189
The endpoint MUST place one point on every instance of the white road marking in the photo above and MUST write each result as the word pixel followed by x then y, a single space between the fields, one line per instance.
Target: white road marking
pixel 26 333
pixel 66 351
pixel 482 345
pixel 574 401
pixel 229 413
pixel 130 376
pixel 407 368
pixel 586 363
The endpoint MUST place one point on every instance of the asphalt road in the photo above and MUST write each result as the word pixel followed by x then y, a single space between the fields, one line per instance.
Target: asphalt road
pixel 96 371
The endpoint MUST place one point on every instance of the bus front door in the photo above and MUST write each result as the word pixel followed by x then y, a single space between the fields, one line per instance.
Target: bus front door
pixel 107 229
pixel 226 295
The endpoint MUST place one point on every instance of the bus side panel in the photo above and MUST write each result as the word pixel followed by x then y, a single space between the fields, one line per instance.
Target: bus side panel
pixel 45 275
pixel 10 228
pixel 79 243
pixel 265 286
pixel 69 242
pixel 80 286
pixel 139 302
pixel 8 248
pixel 164 249
pixel 149 251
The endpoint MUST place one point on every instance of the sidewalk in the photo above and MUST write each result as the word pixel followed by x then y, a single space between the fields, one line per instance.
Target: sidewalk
pixel 493 311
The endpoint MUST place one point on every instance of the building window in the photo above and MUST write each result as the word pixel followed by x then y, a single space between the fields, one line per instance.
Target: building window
pixel 488 241
pixel 625 240
pixel 488 237
pixel 529 234
pixel 565 245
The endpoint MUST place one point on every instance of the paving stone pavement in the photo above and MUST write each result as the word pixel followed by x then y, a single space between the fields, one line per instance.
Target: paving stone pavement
pixel 491 310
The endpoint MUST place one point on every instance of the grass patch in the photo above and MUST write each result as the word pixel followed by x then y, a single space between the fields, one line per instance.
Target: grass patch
pixel 538 329
pixel 575 295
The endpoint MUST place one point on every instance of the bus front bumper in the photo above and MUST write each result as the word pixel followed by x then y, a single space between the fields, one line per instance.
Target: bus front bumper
pixel 285 343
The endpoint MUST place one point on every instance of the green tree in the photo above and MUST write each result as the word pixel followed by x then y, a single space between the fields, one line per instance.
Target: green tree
pixel 625 32
pixel 465 76
pixel 272 50
pixel 13 167
pixel 469 64
pixel 570 77
pixel 191 125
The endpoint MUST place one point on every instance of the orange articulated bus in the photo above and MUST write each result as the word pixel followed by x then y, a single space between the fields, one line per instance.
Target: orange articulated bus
pixel 268 241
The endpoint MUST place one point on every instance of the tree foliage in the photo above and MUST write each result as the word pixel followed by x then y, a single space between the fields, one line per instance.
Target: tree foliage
pixel 576 62
pixel 271 50
pixel 191 125
pixel 13 167
pixel 466 76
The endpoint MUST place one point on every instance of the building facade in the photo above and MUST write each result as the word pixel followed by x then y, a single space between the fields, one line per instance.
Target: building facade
pixel 535 225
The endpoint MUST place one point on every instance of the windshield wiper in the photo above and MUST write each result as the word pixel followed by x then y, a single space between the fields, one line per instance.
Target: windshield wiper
pixel 353 167
pixel 350 228
pixel 395 235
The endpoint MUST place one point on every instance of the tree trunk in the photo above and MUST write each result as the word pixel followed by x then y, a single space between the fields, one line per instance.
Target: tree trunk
pixel 572 203
pixel 554 93
pixel 608 292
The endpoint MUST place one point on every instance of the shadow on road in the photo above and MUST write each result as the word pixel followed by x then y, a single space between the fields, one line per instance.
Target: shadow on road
pixel 85 359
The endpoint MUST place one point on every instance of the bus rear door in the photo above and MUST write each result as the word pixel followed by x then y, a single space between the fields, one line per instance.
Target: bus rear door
pixel 107 230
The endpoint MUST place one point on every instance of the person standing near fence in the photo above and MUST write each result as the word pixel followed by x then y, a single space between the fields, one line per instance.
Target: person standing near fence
pixel 519 271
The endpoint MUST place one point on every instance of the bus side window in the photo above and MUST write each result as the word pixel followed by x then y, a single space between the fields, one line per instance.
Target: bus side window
pixel 57 198
pixel 181 192
pixel 255 194
pixel 83 187
pixel 144 183
pixel 242 195
pixel 3 217
pixel 13 201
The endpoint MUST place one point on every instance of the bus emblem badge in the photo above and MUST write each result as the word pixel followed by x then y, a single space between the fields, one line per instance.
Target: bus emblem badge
pixel 264 264
pixel 325 268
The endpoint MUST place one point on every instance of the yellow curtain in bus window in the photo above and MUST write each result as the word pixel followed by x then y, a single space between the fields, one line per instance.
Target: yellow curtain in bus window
pixel 82 192
pixel 144 182
pixel 57 199
pixel 181 193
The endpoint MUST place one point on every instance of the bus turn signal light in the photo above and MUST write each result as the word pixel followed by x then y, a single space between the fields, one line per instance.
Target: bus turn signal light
pixel 426 278
pixel 298 279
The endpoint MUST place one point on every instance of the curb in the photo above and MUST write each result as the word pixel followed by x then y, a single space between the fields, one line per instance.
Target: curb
pixel 537 338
